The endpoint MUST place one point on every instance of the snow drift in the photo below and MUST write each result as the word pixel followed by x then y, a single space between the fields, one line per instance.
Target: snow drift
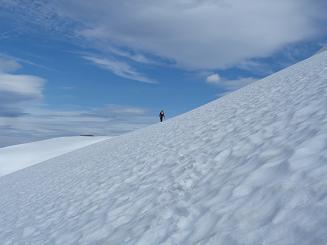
pixel 16 157
pixel 249 168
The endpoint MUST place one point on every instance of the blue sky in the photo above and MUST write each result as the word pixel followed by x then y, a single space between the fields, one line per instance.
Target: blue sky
pixel 108 67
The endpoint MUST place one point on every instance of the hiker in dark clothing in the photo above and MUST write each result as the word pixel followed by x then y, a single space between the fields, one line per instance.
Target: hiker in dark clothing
pixel 162 116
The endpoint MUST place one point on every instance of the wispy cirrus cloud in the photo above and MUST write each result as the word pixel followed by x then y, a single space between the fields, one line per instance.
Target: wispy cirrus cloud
pixel 8 65
pixel 132 55
pixel 120 68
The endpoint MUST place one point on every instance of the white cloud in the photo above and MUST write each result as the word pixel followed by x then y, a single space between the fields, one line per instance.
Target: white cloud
pixel 24 118
pixel 256 67
pixel 213 79
pixel 229 85
pixel 17 90
pixel 21 85
pixel 205 34
pixel 24 85
pixel 120 69
pixel 199 34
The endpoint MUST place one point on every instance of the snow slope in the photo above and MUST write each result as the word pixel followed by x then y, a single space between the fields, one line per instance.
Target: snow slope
pixel 249 168
pixel 323 49
pixel 14 158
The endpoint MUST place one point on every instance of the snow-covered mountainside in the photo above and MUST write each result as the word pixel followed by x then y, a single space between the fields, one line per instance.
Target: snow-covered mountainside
pixel 323 49
pixel 16 157
pixel 249 168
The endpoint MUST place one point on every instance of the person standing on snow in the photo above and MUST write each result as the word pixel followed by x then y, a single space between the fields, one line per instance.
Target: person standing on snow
pixel 161 115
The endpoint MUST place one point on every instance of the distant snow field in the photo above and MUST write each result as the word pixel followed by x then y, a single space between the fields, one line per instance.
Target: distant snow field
pixel 16 157
pixel 247 169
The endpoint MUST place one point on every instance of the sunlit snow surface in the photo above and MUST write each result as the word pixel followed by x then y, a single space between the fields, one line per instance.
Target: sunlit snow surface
pixel 16 157
pixel 249 168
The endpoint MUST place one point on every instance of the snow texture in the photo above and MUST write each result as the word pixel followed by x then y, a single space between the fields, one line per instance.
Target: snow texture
pixel 14 158
pixel 249 168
